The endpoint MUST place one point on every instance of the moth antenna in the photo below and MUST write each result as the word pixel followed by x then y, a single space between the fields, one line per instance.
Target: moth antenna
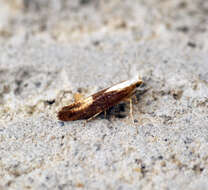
pixel 130 68
pixel 123 63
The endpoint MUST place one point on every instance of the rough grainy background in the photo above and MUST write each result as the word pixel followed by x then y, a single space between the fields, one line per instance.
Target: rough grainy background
pixel 50 50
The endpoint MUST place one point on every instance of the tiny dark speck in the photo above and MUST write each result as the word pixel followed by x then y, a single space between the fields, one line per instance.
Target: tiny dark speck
pixel 96 43
pixel 201 169
pixel 84 2
pixel 37 84
pixel 182 5
pixel 98 146
pixel 184 29
pixel 160 157
pixel 50 102
pixel 18 82
pixel 79 90
pixel 191 44
pixel 26 84
pixel 143 166
pixel 188 140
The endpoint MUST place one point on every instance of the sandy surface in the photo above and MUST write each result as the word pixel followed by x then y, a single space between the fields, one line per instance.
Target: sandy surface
pixel 51 50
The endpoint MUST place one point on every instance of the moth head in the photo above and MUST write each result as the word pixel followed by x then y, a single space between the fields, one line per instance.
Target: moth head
pixel 139 81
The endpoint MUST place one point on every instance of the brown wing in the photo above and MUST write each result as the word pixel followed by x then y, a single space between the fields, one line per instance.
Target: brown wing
pixel 94 104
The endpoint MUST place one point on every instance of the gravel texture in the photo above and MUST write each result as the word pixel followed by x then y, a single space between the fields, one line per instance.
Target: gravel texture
pixel 51 50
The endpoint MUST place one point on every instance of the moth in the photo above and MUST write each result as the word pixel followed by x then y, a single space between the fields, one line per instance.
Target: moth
pixel 93 105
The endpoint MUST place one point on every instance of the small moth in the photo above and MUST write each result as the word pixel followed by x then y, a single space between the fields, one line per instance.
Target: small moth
pixel 100 101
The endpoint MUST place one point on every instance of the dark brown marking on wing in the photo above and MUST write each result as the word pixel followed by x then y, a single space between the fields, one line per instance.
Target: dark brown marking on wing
pixel 67 113
pixel 102 101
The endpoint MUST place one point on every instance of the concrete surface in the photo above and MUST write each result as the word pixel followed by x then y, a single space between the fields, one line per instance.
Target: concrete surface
pixel 51 50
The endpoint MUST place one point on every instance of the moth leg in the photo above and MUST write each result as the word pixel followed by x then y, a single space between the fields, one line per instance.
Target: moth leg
pixel 131 110
pixel 94 116
pixel 135 99
pixel 91 118
pixel 105 114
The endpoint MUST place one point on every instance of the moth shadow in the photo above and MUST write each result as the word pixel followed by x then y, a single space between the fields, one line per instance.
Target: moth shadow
pixel 117 111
